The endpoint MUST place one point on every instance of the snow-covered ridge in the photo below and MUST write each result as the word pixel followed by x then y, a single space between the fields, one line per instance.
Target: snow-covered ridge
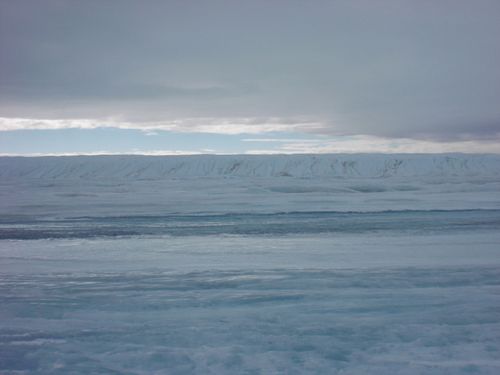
pixel 301 166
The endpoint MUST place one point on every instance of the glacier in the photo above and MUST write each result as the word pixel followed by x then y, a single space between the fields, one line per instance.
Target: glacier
pixel 218 184
pixel 229 264
pixel 301 166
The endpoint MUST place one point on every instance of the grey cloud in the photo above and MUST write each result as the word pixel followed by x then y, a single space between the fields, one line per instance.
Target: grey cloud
pixel 116 91
pixel 423 69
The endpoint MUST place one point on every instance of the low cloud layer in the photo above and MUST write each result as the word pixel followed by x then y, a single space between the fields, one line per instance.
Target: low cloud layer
pixel 424 70
pixel 185 125
pixel 364 143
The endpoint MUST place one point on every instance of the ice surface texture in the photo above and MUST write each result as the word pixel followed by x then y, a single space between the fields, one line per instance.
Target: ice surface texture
pixel 322 304
pixel 328 264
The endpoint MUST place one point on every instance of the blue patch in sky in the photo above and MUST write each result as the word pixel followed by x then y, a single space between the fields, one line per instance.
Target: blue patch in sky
pixel 114 140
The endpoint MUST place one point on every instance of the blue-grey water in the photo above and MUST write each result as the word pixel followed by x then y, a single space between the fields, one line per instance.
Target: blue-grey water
pixel 410 221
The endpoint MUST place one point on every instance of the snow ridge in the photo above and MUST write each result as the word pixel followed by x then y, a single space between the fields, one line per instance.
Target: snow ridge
pixel 134 167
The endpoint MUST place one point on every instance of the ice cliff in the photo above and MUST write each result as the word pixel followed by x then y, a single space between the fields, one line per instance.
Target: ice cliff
pixel 301 166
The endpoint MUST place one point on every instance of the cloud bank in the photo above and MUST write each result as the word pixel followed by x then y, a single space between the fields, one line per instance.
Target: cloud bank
pixel 185 125
pixel 420 70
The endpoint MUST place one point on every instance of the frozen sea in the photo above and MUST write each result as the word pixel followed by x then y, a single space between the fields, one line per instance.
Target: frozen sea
pixel 290 275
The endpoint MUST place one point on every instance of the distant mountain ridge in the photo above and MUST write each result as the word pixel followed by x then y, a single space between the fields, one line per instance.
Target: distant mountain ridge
pixel 136 167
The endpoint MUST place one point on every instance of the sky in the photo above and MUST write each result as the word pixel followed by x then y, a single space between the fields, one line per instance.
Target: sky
pixel 188 77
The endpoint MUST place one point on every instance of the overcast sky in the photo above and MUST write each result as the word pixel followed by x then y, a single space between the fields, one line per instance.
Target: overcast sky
pixel 249 76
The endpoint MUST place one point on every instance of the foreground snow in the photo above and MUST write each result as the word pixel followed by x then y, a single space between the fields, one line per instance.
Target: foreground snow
pixel 332 264
pixel 328 304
